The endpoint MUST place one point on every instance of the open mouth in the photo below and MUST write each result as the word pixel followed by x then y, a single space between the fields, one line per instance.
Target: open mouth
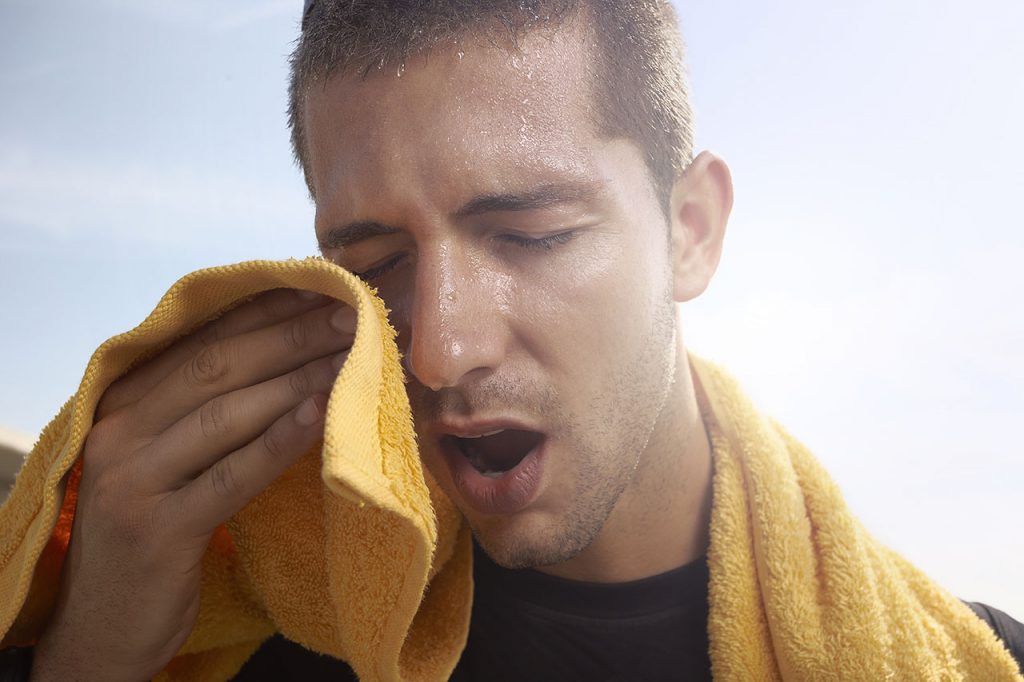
pixel 495 454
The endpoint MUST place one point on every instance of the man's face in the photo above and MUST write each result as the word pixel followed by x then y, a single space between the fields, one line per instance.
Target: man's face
pixel 525 262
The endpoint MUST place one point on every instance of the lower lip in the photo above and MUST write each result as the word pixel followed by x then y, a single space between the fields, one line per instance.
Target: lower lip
pixel 508 494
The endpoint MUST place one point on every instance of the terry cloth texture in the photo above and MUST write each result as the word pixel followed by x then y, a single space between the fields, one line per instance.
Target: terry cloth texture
pixel 338 554
pixel 798 589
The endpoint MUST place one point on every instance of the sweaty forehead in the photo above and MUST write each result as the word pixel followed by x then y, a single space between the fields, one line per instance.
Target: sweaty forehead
pixel 476 111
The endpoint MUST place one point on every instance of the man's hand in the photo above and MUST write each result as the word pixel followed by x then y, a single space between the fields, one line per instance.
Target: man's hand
pixel 179 445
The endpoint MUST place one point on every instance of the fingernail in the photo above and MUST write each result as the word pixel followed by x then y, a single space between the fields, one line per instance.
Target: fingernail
pixel 338 361
pixel 307 295
pixel 344 320
pixel 308 413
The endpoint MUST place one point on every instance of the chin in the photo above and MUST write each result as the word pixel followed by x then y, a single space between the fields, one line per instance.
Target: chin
pixel 561 516
pixel 526 541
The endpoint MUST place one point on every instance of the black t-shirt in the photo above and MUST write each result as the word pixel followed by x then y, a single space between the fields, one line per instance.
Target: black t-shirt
pixel 530 626
pixel 527 625
pixel 1007 629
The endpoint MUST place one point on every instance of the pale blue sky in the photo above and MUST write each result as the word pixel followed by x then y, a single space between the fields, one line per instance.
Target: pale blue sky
pixel 870 291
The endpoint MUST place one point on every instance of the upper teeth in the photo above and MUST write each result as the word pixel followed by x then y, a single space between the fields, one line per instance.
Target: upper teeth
pixel 492 433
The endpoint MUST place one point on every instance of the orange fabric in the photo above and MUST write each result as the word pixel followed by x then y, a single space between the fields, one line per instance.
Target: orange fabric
pixel 336 554
pixel 339 552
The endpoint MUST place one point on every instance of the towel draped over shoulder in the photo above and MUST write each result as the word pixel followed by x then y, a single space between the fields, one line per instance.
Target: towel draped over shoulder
pixel 356 553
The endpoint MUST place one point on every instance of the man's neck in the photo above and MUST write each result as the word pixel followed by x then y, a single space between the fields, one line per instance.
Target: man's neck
pixel 661 520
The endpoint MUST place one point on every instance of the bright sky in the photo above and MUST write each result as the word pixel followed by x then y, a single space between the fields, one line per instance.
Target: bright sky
pixel 869 295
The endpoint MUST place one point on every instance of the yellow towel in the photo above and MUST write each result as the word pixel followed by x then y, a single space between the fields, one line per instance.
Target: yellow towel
pixel 338 554
pixel 799 590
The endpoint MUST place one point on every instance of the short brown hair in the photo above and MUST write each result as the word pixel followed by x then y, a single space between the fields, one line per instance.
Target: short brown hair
pixel 641 91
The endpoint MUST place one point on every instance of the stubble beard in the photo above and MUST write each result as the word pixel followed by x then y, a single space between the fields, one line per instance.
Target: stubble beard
pixel 608 447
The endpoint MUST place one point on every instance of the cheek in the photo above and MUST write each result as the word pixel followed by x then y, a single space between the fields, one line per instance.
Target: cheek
pixel 593 311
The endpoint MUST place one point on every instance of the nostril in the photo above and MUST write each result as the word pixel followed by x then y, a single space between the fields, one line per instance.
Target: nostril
pixel 411 375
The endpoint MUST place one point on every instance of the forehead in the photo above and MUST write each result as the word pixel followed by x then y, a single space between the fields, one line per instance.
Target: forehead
pixel 473 109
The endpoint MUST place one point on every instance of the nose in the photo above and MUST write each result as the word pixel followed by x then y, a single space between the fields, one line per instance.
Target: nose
pixel 457 330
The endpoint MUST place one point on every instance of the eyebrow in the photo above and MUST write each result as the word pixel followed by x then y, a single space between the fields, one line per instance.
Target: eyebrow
pixel 535 199
pixel 538 198
pixel 340 237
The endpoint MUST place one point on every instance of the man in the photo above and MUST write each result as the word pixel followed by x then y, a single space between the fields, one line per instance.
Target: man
pixel 517 181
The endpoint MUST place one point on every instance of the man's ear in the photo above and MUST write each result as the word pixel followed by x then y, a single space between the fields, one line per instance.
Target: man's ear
pixel 701 203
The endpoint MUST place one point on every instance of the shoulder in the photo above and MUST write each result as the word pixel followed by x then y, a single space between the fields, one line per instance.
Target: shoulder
pixel 1006 628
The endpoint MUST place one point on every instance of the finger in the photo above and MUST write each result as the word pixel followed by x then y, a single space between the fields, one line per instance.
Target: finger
pixel 223 489
pixel 242 361
pixel 265 310
pixel 228 422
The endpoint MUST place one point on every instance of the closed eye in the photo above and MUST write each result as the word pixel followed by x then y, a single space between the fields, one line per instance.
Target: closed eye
pixel 380 270
pixel 529 243
pixel 539 243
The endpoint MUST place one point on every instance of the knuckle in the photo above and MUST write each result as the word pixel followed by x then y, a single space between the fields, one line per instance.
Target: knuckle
pixel 300 382
pixel 114 397
pixel 106 491
pixel 105 439
pixel 268 305
pixel 207 367
pixel 202 338
pixel 213 417
pixel 274 444
pixel 207 336
pixel 99 439
pixel 224 479
pixel 296 334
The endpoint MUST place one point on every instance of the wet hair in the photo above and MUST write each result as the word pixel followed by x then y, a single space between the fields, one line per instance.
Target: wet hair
pixel 640 91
